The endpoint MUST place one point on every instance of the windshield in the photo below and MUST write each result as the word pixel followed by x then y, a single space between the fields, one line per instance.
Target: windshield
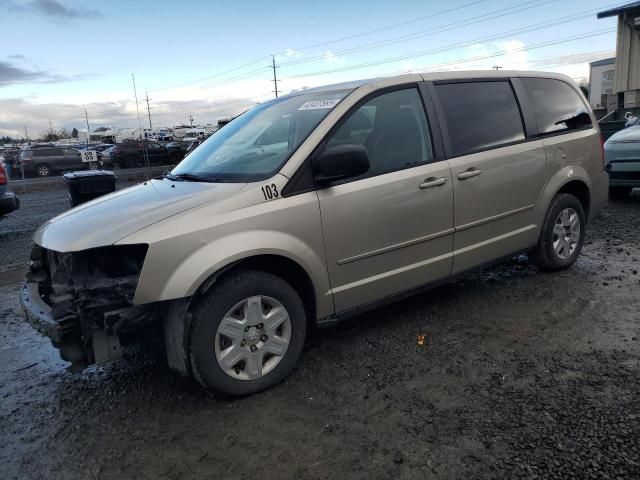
pixel 256 144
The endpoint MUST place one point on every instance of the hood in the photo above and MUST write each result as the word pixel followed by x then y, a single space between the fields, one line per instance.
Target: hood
pixel 626 135
pixel 108 219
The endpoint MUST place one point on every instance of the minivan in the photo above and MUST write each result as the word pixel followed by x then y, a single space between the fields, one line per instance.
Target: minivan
pixel 314 207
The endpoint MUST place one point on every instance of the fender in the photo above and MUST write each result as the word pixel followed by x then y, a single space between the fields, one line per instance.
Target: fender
pixel 555 183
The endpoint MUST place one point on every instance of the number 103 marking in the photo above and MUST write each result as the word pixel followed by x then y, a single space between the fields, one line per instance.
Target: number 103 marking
pixel 270 191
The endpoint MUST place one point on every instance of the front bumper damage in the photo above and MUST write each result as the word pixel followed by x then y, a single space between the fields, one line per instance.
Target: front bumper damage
pixel 83 301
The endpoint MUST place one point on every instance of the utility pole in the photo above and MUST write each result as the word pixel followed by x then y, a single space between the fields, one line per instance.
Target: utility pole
pixel 50 128
pixel 86 117
pixel 26 134
pixel 275 78
pixel 191 120
pixel 148 110
pixel 144 144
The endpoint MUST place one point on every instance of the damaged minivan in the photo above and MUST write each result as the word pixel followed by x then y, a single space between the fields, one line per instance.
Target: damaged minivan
pixel 316 206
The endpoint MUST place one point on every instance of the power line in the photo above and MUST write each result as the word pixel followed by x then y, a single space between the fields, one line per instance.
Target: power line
pixel 405 57
pixel 210 76
pixel 431 31
pixel 442 12
pixel 388 27
pixel 523 49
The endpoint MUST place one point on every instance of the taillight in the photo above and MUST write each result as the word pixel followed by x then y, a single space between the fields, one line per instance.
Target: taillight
pixel 3 175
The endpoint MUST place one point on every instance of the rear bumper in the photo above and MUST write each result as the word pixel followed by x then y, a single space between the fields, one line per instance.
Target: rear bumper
pixel 624 173
pixel 8 203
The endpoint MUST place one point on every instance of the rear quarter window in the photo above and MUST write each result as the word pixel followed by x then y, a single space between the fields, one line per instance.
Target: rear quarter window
pixel 480 115
pixel 557 106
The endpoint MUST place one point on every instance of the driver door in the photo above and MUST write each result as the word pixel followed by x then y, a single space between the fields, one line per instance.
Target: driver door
pixel 391 229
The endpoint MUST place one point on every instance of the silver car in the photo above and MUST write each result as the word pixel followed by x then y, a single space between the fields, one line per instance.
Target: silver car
pixel 314 207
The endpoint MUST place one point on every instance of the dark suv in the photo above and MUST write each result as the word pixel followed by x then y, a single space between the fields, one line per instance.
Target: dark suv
pixel 45 161
pixel 131 154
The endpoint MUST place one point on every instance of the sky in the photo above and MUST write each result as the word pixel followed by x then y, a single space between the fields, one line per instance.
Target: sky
pixel 213 60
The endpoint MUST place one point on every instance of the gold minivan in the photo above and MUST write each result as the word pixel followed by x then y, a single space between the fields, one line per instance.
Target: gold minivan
pixel 313 207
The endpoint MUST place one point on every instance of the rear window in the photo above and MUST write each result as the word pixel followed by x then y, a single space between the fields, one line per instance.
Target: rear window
pixel 556 106
pixel 480 115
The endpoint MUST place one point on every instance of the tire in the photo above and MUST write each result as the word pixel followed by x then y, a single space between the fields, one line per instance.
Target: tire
pixel 619 193
pixel 43 170
pixel 549 255
pixel 224 309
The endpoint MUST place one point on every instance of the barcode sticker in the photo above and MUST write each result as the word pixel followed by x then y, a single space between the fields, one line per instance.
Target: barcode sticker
pixel 319 104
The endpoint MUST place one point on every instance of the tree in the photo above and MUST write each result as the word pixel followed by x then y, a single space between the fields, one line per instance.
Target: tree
pixel 584 86
pixel 74 133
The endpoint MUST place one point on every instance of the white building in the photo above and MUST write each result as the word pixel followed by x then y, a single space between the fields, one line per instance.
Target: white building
pixel 601 82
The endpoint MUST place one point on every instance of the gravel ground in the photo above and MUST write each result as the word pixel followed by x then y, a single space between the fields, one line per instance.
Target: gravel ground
pixel 522 375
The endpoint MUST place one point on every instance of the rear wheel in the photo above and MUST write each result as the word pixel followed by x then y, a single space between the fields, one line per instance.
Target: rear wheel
pixel 247 333
pixel 562 234
pixel 618 193
pixel 43 170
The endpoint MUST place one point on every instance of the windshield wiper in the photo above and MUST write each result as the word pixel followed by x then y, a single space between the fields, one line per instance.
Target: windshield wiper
pixel 188 177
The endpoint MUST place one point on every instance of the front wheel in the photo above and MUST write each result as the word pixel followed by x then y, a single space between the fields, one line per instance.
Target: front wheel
pixel 247 333
pixel 562 234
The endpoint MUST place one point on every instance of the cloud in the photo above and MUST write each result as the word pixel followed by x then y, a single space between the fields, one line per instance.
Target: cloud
pixel 292 53
pixel 15 113
pixel 11 74
pixel 332 58
pixel 17 57
pixel 49 8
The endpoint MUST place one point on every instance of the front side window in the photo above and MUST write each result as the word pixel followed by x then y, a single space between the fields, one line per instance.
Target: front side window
pixel 393 129
pixel 480 115
pixel 256 144
pixel 556 106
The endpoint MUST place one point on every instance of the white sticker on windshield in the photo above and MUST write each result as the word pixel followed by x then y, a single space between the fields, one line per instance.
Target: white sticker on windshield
pixel 319 104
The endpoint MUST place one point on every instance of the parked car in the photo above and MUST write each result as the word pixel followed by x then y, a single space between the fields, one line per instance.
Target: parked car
pixel 45 161
pixel 622 161
pixel 379 189
pixel 131 154
pixel 11 156
pixel 8 200
pixel 165 136
pixel 105 156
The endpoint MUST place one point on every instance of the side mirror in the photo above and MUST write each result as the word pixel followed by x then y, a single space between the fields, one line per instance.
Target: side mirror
pixel 338 163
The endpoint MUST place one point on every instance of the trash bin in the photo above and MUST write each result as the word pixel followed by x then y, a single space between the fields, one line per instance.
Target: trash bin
pixel 86 185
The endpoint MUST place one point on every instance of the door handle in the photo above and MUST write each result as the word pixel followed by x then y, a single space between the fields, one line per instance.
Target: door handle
pixel 432 182
pixel 470 173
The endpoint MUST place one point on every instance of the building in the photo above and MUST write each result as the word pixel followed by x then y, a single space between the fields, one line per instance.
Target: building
pixel 601 82
pixel 627 63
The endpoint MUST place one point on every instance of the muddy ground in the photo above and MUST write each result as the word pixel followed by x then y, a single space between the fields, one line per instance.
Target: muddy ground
pixel 522 375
